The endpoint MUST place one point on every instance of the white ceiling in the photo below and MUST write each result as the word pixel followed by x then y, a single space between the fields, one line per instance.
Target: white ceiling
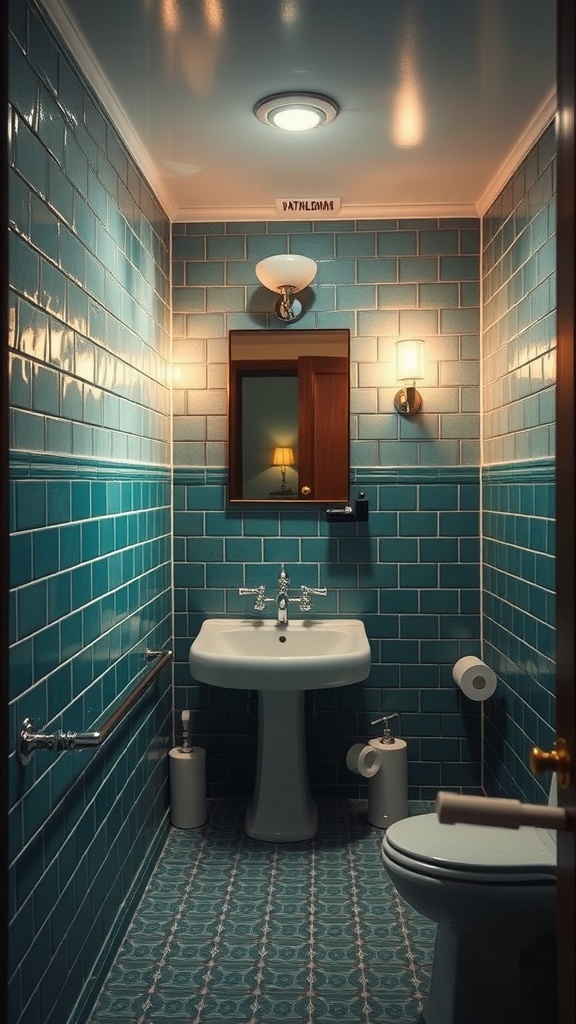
pixel 438 98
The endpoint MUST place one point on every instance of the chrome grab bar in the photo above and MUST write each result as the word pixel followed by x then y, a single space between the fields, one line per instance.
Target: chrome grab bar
pixel 30 740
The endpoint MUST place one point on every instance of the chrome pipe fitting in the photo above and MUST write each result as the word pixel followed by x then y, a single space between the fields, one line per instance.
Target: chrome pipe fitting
pixel 30 740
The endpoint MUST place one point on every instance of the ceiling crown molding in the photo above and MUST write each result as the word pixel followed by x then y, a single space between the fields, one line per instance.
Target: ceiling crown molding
pixel 519 151
pixel 93 73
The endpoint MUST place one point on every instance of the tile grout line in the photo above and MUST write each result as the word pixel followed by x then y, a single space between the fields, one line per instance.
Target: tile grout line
pixel 357 924
pixel 412 966
pixel 311 934
pixel 263 952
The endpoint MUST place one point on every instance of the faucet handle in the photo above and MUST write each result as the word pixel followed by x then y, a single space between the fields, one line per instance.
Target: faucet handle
pixel 260 602
pixel 305 602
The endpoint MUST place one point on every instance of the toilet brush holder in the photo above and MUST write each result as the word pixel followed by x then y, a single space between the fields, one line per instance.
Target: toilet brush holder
pixel 187 766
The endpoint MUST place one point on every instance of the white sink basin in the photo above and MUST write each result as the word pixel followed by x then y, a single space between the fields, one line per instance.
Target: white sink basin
pixel 262 654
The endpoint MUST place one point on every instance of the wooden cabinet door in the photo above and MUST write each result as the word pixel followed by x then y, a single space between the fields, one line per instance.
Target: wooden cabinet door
pixel 323 428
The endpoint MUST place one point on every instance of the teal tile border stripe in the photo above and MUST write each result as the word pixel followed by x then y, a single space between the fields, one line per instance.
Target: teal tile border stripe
pixel 199 475
pixel 539 471
pixel 416 475
pixel 358 478
pixel 30 465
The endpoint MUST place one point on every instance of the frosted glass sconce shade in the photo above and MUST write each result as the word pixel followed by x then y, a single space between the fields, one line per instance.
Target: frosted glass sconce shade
pixel 409 359
pixel 409 367
pixel 286 274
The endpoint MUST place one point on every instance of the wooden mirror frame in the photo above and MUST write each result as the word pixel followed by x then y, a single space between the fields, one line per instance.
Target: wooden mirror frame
pixel 323 407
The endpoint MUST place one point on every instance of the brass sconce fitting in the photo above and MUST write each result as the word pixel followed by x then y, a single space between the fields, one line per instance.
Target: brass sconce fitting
pixel 408 401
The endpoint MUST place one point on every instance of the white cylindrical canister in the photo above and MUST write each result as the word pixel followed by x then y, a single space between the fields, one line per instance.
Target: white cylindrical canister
pixel 388 789
pixel 187 787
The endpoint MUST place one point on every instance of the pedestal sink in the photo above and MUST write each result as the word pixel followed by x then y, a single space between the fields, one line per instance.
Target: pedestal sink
pixel 281 661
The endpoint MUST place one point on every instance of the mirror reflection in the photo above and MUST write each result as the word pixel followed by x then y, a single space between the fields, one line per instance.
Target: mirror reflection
pixel 289 415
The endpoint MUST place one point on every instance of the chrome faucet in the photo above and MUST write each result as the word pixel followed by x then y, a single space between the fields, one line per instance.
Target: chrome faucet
pixel 282 608
pixel 283 598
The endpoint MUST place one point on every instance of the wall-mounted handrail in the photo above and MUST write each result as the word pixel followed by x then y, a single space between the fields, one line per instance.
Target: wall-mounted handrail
pixel 30 740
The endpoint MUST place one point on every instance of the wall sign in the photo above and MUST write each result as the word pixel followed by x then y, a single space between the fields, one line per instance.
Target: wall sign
pixel 308 207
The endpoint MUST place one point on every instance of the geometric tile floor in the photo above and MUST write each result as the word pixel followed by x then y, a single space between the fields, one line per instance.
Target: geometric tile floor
pixel 230 929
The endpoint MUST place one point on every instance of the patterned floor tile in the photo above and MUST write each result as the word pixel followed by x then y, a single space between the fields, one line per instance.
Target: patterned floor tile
pixel 285 978
pixel 234 930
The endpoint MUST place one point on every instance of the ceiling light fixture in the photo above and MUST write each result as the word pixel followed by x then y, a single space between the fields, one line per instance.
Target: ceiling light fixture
pixel 286 274
pixel 296 111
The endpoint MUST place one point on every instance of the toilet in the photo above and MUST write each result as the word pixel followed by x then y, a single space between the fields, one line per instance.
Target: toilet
pixel 492 894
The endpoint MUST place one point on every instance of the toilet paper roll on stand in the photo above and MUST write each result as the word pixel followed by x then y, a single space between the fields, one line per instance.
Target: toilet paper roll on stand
pixel 474 678
pixel 388 789
pixel 384 762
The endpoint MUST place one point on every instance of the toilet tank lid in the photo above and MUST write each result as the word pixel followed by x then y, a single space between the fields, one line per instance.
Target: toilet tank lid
pixel 425 839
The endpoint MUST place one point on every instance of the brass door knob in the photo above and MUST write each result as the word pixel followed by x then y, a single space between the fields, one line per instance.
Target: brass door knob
pixel 306 491
pixel 557 760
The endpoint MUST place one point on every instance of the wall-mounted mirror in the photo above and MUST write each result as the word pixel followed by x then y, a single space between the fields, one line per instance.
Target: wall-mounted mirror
pixel 289 416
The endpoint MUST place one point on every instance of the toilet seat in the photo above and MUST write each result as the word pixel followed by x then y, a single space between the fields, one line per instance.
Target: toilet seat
pixel 471 853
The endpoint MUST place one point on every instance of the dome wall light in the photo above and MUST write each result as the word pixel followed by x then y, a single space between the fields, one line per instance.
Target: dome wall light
pixel 409 367
pixel 296 111
pixel 286 274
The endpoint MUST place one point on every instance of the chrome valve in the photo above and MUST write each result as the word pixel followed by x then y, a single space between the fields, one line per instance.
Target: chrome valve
pixel 282 599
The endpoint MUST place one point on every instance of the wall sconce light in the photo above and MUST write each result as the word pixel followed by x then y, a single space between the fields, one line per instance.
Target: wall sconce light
pixel 287 275
pixel 409 367
pixel 283 457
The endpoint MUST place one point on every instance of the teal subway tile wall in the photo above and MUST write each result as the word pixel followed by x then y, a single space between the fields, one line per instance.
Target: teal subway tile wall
pixel 412 572
pixel 90 503
pixel 518 474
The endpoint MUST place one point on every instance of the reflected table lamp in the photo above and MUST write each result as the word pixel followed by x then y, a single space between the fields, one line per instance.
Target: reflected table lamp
pixel 283 457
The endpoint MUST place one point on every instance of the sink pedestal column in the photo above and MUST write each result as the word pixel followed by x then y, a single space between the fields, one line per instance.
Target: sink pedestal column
pixel 281 809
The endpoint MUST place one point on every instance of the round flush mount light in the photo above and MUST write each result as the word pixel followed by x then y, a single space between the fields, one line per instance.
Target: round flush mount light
pixel 296 111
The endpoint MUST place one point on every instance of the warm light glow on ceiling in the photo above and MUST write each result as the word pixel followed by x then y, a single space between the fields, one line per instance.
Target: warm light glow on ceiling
pixel 289 12
pixel 408 120
pixel 214 16
pixel 170 15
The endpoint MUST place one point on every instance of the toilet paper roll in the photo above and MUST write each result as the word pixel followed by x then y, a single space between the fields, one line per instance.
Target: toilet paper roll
pixel 187 787
pixel 474 678
pixel 362 759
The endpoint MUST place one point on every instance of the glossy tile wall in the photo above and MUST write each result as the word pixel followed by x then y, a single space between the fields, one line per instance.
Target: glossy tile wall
pixel 519 366
pixel 90 507
pixel 411 572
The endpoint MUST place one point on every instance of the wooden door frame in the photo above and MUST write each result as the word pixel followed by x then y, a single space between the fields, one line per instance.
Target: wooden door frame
pixel 4 517
pixel 565 494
